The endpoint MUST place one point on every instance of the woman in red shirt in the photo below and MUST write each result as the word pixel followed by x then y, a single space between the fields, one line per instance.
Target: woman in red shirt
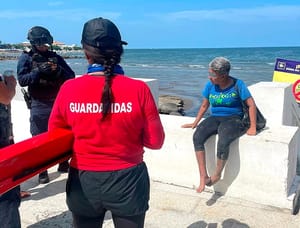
pixel 112 118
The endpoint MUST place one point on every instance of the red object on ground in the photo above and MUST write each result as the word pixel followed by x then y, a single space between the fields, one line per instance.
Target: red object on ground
pixel 25 159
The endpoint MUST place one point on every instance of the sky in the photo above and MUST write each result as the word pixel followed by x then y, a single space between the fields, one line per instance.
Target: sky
pixel 161 23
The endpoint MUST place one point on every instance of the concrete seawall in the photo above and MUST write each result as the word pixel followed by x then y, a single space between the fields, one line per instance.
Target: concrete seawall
pixel 260 169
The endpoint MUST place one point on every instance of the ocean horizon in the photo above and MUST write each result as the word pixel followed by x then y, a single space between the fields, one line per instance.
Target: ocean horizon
pixel 183 71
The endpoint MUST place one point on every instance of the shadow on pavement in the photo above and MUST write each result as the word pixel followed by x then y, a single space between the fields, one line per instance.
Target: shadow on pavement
pixel 63 220
pixel 213 199
pixel 228 223
pixel 38 191
pixel 46 190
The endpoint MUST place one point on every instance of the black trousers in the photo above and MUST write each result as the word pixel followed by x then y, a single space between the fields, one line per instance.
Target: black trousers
pixel 39 116
pixel 9 209
pixel 228 129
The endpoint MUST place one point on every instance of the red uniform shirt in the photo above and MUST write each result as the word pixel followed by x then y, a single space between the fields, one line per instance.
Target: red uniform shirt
pixel 118 141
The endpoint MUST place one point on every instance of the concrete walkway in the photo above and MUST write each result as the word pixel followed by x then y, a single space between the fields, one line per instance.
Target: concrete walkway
pixel 170 207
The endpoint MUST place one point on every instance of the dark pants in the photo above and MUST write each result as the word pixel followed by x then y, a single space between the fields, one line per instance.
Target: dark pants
pixel 9 209
pixel 39 116
pixel 123 192
pixel 228 129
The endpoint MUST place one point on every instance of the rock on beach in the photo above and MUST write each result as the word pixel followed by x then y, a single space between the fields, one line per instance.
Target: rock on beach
pixel 173 105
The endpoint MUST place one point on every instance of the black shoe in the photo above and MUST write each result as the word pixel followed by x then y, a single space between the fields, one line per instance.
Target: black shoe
pixel 44 178
pixel 63 167
pixel 296 203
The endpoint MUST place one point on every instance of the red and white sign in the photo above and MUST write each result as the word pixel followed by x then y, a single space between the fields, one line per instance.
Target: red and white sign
pixel 296 90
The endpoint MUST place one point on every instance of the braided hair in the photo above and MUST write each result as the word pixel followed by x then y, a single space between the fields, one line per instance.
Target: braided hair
pixel 108 57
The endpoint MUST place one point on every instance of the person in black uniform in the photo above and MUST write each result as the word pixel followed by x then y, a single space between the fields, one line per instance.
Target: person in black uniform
pixel 43 71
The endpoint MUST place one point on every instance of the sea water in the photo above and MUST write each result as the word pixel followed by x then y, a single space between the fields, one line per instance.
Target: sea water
pixel 183 72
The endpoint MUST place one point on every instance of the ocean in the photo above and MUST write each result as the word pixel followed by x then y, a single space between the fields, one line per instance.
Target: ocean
pixel 183 72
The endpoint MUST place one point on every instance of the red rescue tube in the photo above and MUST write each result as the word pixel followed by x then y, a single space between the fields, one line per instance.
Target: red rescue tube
pixel 25 159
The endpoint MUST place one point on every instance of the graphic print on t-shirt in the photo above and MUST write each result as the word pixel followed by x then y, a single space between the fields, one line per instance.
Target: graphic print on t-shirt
pixel 222 99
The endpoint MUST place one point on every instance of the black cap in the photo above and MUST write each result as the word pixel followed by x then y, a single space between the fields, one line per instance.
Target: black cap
pixel 100 32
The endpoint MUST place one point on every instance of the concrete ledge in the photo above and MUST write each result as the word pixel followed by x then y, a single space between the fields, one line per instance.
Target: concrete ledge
pixel 260 168
pixel 277 103
pixel 279 106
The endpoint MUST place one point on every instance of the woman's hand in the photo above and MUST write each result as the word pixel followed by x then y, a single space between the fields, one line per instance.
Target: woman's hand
pixel 251 131
pixel 190 125
pixel 204 106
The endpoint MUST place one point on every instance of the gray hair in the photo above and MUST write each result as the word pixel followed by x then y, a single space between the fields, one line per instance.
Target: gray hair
pixel 220 65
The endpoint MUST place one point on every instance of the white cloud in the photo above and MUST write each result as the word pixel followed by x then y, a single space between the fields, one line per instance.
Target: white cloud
pixel 66 15
pixel 270 13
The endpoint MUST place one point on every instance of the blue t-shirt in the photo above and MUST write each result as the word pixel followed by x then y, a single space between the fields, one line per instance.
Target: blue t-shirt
pixel 226 102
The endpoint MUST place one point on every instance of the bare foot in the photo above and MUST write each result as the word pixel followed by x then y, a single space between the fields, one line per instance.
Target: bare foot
pixel 203 182
pixel 213 179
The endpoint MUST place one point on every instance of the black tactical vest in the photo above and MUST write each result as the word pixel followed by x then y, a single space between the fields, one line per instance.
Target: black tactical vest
pixel 45 90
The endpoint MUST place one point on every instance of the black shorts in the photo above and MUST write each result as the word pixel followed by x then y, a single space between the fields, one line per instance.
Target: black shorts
pixel 123 192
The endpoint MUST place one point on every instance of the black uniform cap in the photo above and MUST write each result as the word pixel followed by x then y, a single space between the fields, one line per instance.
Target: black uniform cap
pixel 100 32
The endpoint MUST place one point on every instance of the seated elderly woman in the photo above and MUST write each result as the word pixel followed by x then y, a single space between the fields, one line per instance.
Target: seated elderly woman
pixel 225 95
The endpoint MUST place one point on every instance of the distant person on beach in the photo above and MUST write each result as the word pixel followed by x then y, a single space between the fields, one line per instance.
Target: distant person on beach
pixel 225 119
pixel 113 117
pixel 43 72
pixel 9 201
